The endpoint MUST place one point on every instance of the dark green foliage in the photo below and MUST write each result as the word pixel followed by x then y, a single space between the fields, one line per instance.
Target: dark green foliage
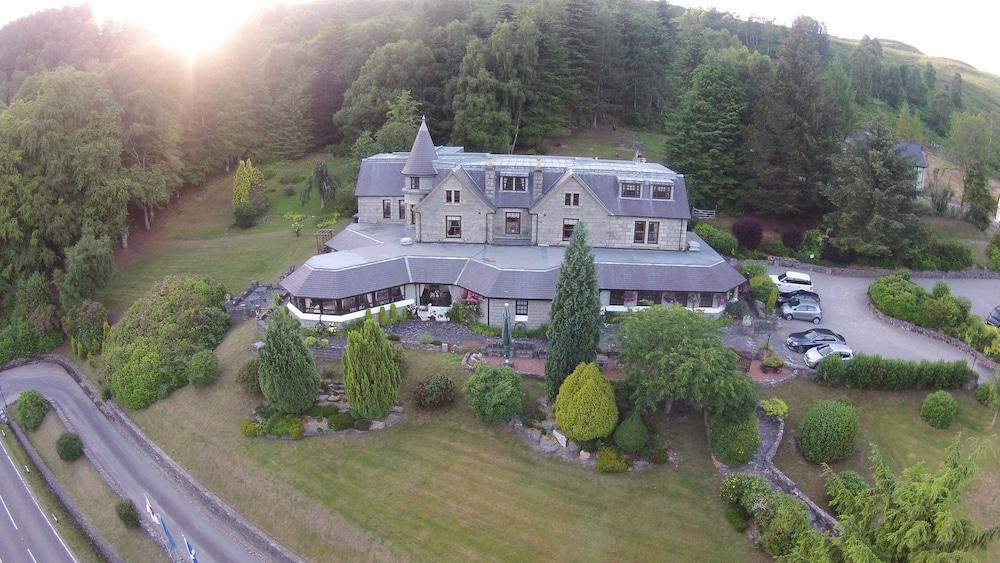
pixel 745 490
pixel 31 409
pixel 203 368
pixel 247 378
pixel 245 215
pixel 17 340
pixel 751 270
pixel 849 480
pixel 371 372
pixel 792 237
pixel 873 194
pixel 282 425
pixel 671 352
pixel 84 323
pixel 737 517
pixel 127 513
pixel 982 204
pixel 993 252
pixel 734 443
pixel 876 372
pixel 494 393
pixel 575 314
pixel 147 351
pixel 786 520
pixel 942 256
pixel 287 372
pixel 828 432
pixel 939 409
pixel 631 435
pixel 748 232
pixel 987 395
pixel 434 392
pixel 721 241
pixel 340 421
pixel 831 369
pixel 69 446
pixel 609 460
pixel 585 407
pixel 88 267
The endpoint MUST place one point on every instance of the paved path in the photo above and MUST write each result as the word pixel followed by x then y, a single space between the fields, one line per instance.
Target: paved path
pixel 25 531
pixel 983 294
pixel 845 310
pixel 215 539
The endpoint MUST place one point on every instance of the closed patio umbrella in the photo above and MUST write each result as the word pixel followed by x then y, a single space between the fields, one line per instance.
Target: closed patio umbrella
pixel 505 333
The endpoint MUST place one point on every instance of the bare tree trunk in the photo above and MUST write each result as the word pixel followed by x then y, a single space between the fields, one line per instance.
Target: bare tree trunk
pixel 995 413
pixel 145 216
pixel 669 404
pixel 125 238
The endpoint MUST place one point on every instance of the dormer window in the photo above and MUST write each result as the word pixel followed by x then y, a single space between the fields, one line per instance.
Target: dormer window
pixel 663 191
pixel 631 189
pixel 513 184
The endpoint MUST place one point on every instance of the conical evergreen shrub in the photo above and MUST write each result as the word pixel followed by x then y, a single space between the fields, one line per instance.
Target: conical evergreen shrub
pixel 371 373
pixel 585 406
pixel 287 372
pixel 631 434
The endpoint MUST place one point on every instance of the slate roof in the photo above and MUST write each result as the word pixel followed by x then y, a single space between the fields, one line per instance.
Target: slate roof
pixel 912 152
pixel 420 161
pixel 528 272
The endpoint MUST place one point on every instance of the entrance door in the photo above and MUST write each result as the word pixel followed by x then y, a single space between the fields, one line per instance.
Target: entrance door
pixel 512 223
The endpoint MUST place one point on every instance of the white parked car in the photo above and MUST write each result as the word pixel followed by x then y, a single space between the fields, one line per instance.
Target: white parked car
pixel 815 355
pixel 792 281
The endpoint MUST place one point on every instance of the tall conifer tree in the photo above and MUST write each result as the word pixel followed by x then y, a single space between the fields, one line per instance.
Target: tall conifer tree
pixel 575 316
pixel 287 373
pixel 371 374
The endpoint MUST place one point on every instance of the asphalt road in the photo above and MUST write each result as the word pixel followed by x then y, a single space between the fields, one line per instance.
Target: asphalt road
pixel 983 294
pixel 130 467
pixel 25 531
pixel 845 310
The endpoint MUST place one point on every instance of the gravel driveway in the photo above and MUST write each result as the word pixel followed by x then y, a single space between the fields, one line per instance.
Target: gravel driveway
pixel 845 310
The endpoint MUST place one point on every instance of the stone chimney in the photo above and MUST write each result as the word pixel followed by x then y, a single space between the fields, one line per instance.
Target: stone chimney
pixel 491 178
pixel 536 180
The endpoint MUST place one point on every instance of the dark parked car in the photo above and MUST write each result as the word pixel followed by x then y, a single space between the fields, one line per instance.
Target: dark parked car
pixel 802 341
pixel 798 296
pixel 994 317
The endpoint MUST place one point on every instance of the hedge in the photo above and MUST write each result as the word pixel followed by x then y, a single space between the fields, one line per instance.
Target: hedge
pixel 876 372
pixel 147 351
pixel 721 241
pixel 828 432
pixel 734 443
pixel 494 393
pixel 939 409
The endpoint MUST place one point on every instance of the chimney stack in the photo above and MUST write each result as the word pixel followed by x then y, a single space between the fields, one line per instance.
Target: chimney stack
pixel 491 178
pixel 536 180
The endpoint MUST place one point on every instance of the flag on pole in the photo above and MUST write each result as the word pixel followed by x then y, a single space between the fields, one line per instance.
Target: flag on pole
pixel 149 509
pixel 190 550
pixel 166 532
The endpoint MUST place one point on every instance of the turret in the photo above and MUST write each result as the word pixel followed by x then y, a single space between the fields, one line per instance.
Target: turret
pixel 419 172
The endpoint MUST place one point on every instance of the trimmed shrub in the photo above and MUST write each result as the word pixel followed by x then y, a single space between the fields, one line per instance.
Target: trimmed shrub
pixel 340 421
pixel 828 432
pixel 761 288
pixel 744 490
pixel 734 443
pixel 752 269
pixel 203 368
pixel 748 232
pixel 371 372
pixel 248 428
pixel 494 393
pixel 876 372
pixel 610 461
pixel 775 407
pixel 830 369
pixel 853 481
pixel 69 446
pixel 987 395
pixel 737 517
pixel 773 362
pixel 721 241
pixel 247 378
pixel 773 247
pixel 942 256
pixel 287 371
pixel 31 409
pixel 245 215
pixel 434 392
pixel 787 520
pixel 585 405
pixel 631 435
pixel 127 513
pixel 792 236
pixel 939 409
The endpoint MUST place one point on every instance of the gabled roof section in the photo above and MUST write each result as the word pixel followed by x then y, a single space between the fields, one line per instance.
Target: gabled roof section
pixel 913 152
pixel 465 180
pixel 420 161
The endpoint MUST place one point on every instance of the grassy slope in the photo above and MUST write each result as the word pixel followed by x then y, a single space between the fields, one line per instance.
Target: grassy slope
pixel 439 486
pixel 198 237
pixel 892 421
pixel 92 495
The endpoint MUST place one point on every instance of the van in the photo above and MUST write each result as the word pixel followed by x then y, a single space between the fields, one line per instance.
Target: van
pixel 792 281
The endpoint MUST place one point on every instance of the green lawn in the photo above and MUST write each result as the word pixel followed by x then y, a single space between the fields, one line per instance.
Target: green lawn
pixel 960 231
pixel 440 486
pixel 198 236
pixel 891 419
pixel 92 497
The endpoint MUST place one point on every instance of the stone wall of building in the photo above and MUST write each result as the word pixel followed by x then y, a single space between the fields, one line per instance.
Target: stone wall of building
pixel 538 311
pixel 551 211
pixel 432 211
pixel 370 210
pixel 499 228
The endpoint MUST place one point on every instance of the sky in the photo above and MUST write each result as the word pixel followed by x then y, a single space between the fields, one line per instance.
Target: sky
pixel 958 29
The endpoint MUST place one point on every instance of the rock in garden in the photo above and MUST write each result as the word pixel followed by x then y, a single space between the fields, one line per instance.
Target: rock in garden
pixel 377 425
pixel 516 423
pixel 531 434
pixel 396 408
pixel 543 402
pixel 392 420
pixel 640 464
pixel 585 455
pixel 549 445
pixel 572 447
pixel 548 425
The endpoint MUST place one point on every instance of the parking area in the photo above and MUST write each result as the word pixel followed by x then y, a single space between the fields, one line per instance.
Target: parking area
pixel 845 310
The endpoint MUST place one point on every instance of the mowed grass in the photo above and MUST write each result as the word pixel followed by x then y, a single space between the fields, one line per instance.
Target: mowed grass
pixel 891 420
pixel 197 236
pixel 440 486
pixel 64 526
pixel 607 143
pixel 963 232
pixel 92 495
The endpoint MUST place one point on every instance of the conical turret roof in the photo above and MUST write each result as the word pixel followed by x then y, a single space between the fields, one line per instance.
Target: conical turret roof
pixel 422 154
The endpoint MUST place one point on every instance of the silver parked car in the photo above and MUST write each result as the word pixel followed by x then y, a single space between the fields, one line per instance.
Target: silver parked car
pixel 815 355
pixel 802 310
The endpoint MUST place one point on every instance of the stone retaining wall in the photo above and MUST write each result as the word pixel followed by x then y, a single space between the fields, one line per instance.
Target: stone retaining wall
pixel 864 272
pixel 105 550
pixel 268 549
pixel 931 333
